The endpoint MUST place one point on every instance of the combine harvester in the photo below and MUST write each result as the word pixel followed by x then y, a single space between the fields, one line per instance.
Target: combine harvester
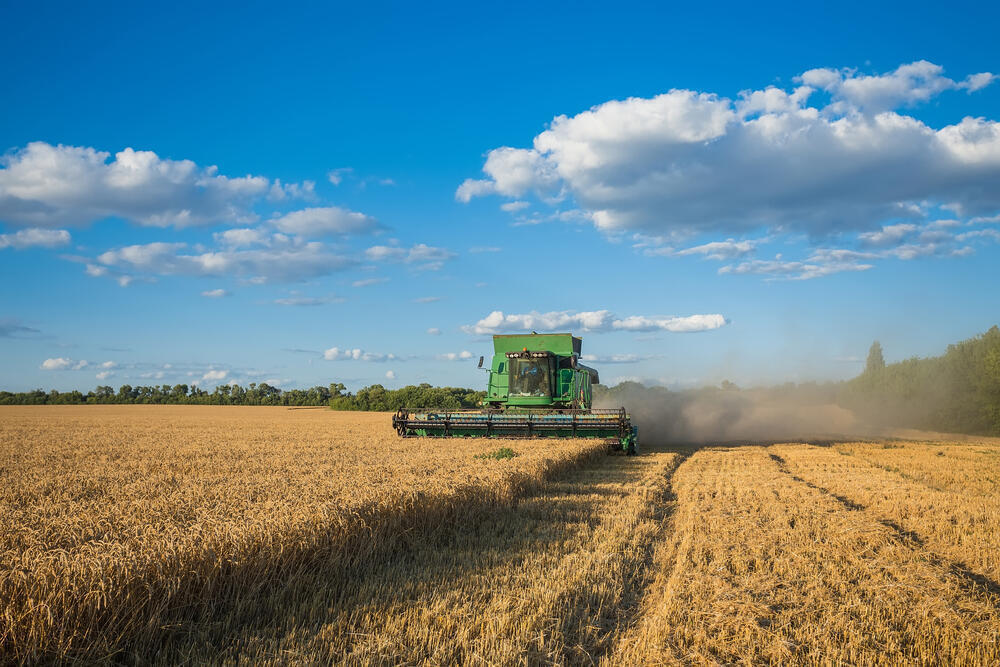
pixel 537 389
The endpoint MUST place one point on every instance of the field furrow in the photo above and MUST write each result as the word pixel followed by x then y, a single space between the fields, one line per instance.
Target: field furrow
pixel 967 470
pixel 763 568
pixel 554 579
pixel 962 528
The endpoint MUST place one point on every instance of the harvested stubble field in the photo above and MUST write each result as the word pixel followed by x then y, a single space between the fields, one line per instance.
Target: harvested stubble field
pixel 267 535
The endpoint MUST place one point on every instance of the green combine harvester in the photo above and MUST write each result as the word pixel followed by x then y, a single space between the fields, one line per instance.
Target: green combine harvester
pixel 537 389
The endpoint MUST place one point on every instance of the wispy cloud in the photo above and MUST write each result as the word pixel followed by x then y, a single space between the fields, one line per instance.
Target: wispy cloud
pixel 367 282
pixel 356 354
pixel 34 237
pixel 598 321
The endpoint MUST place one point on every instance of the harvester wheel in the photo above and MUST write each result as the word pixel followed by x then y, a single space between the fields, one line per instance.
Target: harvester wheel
pixel 399 421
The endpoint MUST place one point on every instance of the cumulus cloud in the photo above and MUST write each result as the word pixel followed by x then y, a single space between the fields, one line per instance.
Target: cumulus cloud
pixel 907 85
pixel 242 237
pixel 34 237
pixel 325 221
pixel 214 375
pixel 287 261
pixel 104 375
pixel 355 354
pixel 599 321
pixel 390 375
pixel 688 163
pixel 47 186
pixel 280 192
pixel 63 364
pixel 454 356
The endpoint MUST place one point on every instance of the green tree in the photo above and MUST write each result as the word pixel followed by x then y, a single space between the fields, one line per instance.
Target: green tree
pixel 876 361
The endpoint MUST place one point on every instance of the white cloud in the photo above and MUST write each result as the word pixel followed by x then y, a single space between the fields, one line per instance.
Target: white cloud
pixel 907 85
pixel 215 293
pixel 728 249
pixel 390 375
pixel 109 364
pixel 814 267
pixel 325 221
pixel 434 331
pixel 599 320
pixel 280 192
pixel 424 256
pixel 616 358
pixel 336 176
pixel 45 186
pixel 243 237
pixel 367 282
pixel 355 354
pixel 455 356
pixel 104 375
pixel 306 300
pixel 288 261
pixel 34 237
pixel 214 375
pixel 427 299
pixel 63 364
pixel 514 206
pixel 485 248
pixel 685 163
pixel 888 235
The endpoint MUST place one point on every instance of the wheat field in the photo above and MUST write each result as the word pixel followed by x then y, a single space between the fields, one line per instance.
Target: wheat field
pixel 224 535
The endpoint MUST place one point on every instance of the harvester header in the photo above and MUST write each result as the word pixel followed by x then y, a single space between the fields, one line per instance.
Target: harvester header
pixel 537 388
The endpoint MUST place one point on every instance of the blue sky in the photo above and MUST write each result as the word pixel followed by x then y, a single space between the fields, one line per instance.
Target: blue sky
pixel 305 194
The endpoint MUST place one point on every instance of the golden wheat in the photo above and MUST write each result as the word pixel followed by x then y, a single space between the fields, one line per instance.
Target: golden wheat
pixel 120 521
pixel 762 567
pixel 272 536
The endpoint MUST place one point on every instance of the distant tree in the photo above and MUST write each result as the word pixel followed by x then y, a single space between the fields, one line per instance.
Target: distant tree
pixel 876 362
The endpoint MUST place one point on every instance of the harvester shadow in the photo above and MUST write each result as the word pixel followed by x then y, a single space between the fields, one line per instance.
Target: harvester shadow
pixel 482 541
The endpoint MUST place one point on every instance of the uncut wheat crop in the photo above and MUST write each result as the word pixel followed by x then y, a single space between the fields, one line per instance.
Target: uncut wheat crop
pixel 121 524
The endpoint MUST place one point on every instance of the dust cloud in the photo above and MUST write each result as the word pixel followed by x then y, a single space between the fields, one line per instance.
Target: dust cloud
pixel 733 415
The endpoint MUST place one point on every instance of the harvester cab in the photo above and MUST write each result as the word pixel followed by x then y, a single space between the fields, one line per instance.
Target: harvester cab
pixel 537 389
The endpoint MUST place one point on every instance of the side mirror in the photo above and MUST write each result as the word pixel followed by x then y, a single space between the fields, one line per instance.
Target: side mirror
pixel 480 362
pixel 572 361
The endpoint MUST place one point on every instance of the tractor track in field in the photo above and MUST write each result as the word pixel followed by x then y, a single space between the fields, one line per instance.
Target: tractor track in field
pixel 972 582
pixel 561 574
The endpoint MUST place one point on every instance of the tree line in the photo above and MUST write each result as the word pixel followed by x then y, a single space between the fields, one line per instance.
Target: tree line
pixel 335 395
pixel 958 391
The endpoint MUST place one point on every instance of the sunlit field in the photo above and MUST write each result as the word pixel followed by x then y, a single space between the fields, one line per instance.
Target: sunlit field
pixel 271 535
